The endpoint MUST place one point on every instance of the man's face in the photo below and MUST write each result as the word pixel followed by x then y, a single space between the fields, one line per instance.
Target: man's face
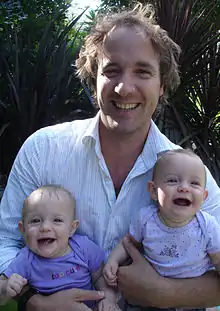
pixel 128 81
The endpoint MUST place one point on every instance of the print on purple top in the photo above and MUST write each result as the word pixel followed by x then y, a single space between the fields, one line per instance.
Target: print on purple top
pixel 170 251
pixel 62 274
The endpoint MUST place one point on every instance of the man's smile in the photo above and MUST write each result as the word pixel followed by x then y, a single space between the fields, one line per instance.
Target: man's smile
pixel 125 106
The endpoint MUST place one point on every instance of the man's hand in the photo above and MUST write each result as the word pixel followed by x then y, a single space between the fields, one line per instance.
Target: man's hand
pixel 68 300
pixel 139 283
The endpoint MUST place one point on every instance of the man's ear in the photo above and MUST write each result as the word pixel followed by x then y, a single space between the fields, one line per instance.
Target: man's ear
pixel 21 226
pixel 152 189
pixel 161 90
pixel 205 194
pixel 75 225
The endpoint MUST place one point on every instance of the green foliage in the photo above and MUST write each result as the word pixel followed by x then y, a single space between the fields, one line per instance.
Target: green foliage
pixel 13 12
pixel 192 118
pixel 38 85
pixel 90 20
pixel 114 3
pixel 10 306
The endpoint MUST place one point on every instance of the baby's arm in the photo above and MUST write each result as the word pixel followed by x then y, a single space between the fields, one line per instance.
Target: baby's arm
pixel 117 256
pixel 215 258
pixel 109 302
pixel 11 287
pixel 213 241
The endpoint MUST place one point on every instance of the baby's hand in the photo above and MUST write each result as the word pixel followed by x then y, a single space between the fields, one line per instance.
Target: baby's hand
pixel 107 305
pixel 110 273
pixel 13 285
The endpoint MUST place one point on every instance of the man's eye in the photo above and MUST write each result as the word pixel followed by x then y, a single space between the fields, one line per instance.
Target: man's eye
pixel 143 73
pixel 111 72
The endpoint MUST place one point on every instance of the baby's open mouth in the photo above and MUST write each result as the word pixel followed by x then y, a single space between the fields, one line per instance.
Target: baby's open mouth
pixel 182 202
pixel 46 240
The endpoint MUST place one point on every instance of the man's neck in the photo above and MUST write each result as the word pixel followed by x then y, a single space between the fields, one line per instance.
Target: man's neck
pixel 121 144
pixel 120 153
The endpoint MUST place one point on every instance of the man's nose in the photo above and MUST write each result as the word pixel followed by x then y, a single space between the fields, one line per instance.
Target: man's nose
pixel 125 85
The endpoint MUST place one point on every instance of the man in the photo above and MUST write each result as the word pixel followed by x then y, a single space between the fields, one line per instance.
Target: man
pixel 130 64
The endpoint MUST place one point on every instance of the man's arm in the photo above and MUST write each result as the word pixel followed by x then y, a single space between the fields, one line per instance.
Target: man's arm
pixel 72 300
pixel 23 179
pixel 140 284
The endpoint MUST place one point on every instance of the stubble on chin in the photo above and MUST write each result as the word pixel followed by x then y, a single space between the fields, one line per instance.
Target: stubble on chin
pixel 108 123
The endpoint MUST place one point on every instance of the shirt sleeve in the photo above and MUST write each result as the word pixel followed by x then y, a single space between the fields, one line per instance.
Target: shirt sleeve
pixel 213 233
pixel 212 203
pixel 18 266
pixel 23 179
pixel 94 255
pixel 135 228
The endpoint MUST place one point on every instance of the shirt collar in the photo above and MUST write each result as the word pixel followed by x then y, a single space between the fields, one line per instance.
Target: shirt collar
pixel 155 144
pixel 92 132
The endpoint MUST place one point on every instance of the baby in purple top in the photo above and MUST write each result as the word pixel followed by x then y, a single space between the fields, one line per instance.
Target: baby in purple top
pixel 55 258
pixel 178 239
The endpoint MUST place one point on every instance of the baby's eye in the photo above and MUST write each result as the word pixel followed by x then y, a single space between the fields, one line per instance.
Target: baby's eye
pixel 35 221
pixel 58 220
pixel 196 183
pixel 172 180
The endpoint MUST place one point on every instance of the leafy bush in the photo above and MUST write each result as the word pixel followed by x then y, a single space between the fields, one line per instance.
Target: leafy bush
pixel 38 85
pixel 192 119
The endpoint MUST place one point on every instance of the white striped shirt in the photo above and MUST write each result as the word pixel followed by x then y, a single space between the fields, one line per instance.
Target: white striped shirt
pixel 69 155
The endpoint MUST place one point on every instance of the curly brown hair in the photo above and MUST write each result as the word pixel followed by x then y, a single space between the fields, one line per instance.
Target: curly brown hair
pixel 143 18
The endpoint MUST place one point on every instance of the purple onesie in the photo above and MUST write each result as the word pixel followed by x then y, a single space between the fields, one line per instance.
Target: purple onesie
pixel 49 275
pixel 177 252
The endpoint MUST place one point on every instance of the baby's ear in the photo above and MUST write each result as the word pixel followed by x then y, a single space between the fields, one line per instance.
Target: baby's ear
pixel 21 226
pixel 152 189
pixel 75 225
pixel 205 194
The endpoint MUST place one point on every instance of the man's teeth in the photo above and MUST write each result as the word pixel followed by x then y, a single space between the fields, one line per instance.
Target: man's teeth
pixel 126 106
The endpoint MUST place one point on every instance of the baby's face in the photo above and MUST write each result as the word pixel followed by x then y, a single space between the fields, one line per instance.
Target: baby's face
pixel 180 187
pixel 48 224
